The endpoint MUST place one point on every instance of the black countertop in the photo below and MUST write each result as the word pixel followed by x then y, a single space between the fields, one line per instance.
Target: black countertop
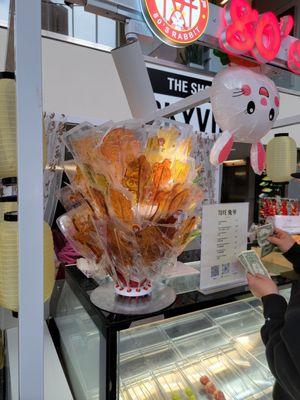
pixel 184 303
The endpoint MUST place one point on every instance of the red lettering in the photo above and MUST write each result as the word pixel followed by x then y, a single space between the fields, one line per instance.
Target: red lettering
pixel 261 36
pixel 286 25
pixel 238 36
pixel 267 38
pixel 294 57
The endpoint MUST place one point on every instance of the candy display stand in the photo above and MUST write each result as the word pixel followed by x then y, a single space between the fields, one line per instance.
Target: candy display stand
pixel 106 296
pixel 132 205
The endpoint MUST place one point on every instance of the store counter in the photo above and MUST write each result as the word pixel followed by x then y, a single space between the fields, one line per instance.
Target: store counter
pixel 109 356
pixel 276 262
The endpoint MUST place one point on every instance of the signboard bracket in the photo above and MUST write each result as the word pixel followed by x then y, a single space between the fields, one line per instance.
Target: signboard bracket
pixel 181 105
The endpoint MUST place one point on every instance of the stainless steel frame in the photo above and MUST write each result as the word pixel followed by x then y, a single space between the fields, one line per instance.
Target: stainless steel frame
pixel 28 51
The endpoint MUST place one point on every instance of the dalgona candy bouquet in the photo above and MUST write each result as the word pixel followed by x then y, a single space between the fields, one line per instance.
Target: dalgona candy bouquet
pixel 133 200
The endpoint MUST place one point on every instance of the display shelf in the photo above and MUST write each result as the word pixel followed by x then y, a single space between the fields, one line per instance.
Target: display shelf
pixel 126 343
pixel 234 360
pixel 261 357
pixel 161 356
pixel 174 385
pixel 243 322
pixel 145 389
pixel 107 359
pixel 256 304
pixel 201 342
pixel 133 367
pixel 225 376
pixel 143 338
pixel 187 326
pixel 251 341
pixel 228 309
pixel 194 371
pixel 248 366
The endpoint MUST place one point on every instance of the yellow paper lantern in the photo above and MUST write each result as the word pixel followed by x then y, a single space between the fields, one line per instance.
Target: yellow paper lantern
pixel 281 158
pixel 7 206
pixel 8 155
pixel 9 271
pixel 8 127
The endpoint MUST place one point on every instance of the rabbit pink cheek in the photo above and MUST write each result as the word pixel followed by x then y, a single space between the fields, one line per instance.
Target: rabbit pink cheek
pixel 246 90
pixel 264 102
pixel 276 101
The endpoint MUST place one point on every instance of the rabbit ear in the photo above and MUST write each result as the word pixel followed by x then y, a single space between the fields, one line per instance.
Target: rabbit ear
pixel 221 148
pixel 258 158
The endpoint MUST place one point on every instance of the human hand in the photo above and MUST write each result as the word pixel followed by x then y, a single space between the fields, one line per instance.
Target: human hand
pixel 261 286
pixel 282 239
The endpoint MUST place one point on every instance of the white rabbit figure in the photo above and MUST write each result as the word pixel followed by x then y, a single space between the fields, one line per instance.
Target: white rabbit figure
pixel 245 105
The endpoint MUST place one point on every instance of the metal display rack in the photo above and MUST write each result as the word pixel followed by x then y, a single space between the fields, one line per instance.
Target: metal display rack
pixel 28 53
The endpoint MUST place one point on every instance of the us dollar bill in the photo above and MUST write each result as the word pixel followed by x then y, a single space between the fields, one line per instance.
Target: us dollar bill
pixel 262 234
pixel 252 263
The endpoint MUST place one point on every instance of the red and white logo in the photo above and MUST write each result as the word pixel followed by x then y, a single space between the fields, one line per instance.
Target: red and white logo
pixel 176 22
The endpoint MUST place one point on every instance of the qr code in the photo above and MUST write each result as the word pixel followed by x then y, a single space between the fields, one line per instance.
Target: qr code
pixel 215 271
pixel 225 268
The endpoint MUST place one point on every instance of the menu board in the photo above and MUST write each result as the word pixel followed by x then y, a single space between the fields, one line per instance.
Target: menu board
pixel 223 238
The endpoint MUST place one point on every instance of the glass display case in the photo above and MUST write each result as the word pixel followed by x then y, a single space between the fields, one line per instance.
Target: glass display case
pixel 109 356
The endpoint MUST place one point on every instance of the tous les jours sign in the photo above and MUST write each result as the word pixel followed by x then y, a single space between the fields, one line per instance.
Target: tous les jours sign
pixel 243 30
pixel 176 22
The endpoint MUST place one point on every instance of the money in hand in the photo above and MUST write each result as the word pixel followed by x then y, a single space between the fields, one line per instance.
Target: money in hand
pixel 262 234
pixel 252 263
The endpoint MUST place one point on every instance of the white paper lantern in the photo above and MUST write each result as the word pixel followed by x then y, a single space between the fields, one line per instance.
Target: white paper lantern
pixel 281 158
pixel 8 127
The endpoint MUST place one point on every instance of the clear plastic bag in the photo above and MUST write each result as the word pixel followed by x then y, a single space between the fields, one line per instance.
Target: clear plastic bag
pixel 77 225
pixel 138 184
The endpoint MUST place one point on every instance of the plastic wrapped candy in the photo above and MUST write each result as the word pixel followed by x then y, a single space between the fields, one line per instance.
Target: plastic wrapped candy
pixel 138 184
pixel 78 227
pixel 70 197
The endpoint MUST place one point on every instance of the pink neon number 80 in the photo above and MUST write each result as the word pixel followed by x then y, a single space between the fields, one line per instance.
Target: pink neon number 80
pixel 267 38
pixel 247 31
pixel 240 19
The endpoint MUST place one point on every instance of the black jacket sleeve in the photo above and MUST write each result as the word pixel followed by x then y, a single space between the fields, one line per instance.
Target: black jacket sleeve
pixel 281 334
pixel 293 256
